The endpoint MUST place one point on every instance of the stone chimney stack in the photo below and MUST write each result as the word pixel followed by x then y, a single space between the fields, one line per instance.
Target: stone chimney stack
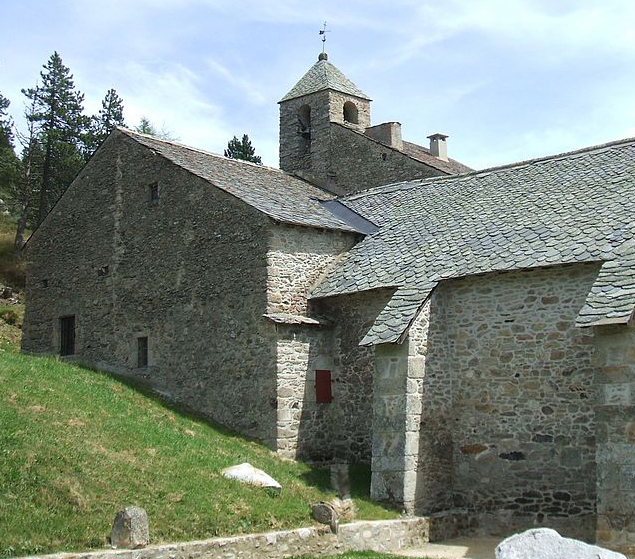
pixel 388 133
pixel 439 146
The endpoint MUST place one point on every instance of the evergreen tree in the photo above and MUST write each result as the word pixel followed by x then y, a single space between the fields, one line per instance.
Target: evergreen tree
pixel 9 162
pixel 6 124
pixel 242 149
pixel 146 127
pixel 61 126
pixel 101 124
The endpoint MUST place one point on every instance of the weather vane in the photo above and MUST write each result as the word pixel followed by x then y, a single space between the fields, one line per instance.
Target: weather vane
pixel 323 32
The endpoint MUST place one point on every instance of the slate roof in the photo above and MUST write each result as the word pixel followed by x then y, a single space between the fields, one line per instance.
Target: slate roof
pixel 275 193
pixel 572 207
pixel 321 76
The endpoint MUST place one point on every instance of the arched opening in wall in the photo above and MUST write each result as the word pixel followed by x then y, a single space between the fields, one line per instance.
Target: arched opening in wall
pixel 350 112
pixel 304 120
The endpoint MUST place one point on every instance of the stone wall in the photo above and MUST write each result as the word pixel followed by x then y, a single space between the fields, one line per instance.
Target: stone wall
pixel 412 442
pixel 189 271
pixel 341 429
pixel 353 367
pixel 296 258
pixel 505 392
pixel 523 397
pixel 311 158
pixel 615 456
pixel 359 162
pixel 383 536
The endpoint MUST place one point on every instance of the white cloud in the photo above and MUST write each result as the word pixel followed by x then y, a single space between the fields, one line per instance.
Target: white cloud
pixel 246 87
pixel 171 98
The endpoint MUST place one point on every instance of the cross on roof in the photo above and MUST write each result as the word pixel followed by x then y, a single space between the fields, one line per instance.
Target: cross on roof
pixel 323 32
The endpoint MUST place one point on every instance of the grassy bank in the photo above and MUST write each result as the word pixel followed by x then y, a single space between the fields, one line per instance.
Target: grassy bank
pixel 76 446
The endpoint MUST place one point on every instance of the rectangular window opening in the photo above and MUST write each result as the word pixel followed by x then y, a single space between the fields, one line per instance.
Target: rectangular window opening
pixel 323 392
pixel 67 335
pixel 142 352
pixel 154 191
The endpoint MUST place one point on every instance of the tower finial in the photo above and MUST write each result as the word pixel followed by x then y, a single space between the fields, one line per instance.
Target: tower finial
pixel 323 32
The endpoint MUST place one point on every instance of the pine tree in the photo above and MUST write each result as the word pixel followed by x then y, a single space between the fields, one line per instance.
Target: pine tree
pixel 6 124
pixel 9 162
pixel 146 127
pixel 61 126
pixel 101 124
pixel 242 149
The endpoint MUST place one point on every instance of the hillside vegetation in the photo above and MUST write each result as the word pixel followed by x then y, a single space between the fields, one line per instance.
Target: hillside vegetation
pixel 77 445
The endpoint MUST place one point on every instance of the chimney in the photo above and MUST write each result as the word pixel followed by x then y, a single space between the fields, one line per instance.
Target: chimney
pixel 388 133
pixel 439 146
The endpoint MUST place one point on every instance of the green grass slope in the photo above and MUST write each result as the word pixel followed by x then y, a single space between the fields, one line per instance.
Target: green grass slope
pixel 77 445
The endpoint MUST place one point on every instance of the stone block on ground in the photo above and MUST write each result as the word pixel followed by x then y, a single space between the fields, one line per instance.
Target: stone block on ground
pixel 130 528
pixel 246 473
pixel 340 480
pixel 325 513
pixel 544 543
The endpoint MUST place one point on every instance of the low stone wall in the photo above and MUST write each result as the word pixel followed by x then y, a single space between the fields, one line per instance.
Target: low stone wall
pixel 315 541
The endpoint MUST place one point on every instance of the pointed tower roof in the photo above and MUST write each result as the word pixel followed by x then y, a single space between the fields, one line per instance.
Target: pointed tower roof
pixel 323 75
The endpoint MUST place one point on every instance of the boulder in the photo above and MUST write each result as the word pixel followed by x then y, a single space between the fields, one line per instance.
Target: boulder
pixel 325 513
pixel 248 474
pixel 544 543
pixel 130 528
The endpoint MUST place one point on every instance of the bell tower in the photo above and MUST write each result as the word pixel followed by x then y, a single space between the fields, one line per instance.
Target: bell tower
pixel 323 96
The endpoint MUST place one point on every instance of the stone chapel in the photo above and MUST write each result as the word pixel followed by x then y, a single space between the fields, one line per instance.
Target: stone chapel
pixel 467 333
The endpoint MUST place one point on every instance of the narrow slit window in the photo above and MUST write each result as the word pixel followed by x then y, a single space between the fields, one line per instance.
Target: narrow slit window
pixel 323 391
pixel 142 352
pixel 67 335
pixel 154 191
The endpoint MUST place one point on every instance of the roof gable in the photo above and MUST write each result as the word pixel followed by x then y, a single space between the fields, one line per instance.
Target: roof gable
pixel 322 76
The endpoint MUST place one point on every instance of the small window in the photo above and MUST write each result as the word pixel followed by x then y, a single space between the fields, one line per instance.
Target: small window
pixel 103 271
pixel 67 335
pixel 44 283
pixel 323 393
pixel 350 112
pixel 142 352
pixel 154 191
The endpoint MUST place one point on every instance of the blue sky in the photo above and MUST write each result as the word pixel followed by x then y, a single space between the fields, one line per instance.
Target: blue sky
pixel 506 79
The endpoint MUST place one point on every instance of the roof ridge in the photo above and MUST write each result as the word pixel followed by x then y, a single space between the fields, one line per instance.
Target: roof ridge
pixel 198 150
pixel 488 170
